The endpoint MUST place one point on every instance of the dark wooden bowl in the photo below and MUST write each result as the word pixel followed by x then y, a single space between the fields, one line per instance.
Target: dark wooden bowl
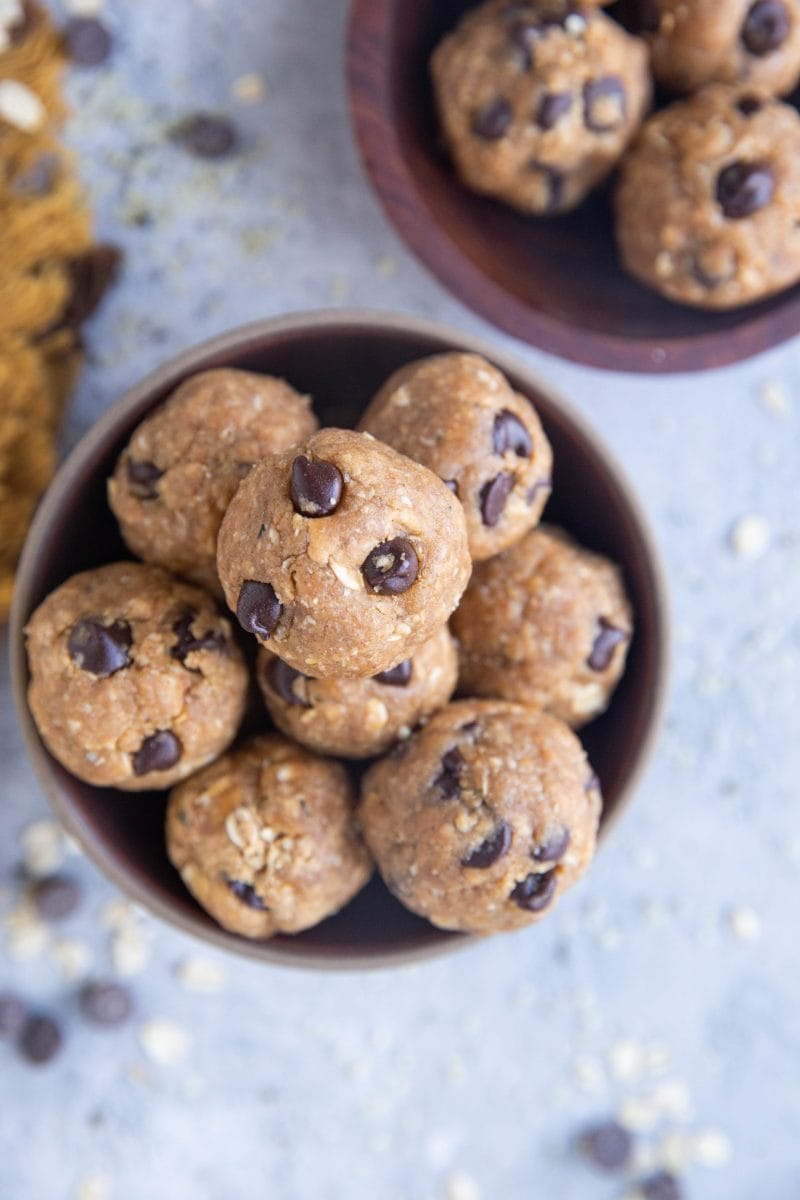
pixel 341 359
pixel 555 282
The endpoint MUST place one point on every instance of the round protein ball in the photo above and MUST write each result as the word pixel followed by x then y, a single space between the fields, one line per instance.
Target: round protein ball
pixel 135 679
pixel 177 475
pixel 538 101
pixel 358 718
pixel 343 555
pixel 546 624
pixel 484 817
pixel 459 416
pixel 748 43
pixel 266 839
pixel 708 203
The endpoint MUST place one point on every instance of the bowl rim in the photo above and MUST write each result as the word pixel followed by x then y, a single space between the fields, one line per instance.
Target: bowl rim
pixel 371 117
pixel 134 403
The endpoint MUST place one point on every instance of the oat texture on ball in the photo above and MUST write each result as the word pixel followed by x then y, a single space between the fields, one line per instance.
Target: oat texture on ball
pixel 483 818
pixel 135 679
pixel 266 840
pixel 537 101
pixel 177 475
pixel 459 416
pixel 343 556
pixel 548 624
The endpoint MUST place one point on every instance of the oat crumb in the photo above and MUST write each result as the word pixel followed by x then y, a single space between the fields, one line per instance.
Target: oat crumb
pixel 164 1042
pixel 461 1186
pixel 249 88
pixel 744 923
pixel 750 537
pixel 200 975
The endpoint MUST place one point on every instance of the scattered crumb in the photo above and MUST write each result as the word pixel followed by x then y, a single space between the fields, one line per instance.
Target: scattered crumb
pixel 750 537
pixel 43 847
pixel 461 1186
pixel 589 1074
pixel 84 8
pixel 200 975
pixel 73 959
pixel 744 923
pixel 249 88
pixel 164 1042
pixel 626 1060
pixel 386 267
pixel 775 398
pixel 116 913
pixel 94 1187
pixel 711 1148
pixel 27 936
pixel 130 950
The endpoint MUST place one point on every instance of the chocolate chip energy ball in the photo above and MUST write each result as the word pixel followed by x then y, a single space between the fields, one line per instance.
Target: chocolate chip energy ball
pixel 741 42
pixel 484 818
pixel 708 203
pixel 266 840
pixel 357 718
pixel 135 681
pixel 546 624
pixel 342 555
pixel 178 473
pixel 459 416
pixel 537 102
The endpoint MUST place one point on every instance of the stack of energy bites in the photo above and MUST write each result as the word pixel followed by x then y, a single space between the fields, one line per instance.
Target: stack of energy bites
pixel 540 100
pixel 343 554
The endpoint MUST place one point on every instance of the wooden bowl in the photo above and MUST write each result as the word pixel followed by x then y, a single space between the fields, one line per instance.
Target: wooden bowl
pixel 340 359
pixel 554 282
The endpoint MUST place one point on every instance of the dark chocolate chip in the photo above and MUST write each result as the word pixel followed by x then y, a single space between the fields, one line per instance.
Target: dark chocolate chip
pixel 553 848
pixel 13 1013
pixel 105 1003
pixel 606 641
pixel 607 1145
pixel 470 728
pixel 207 135
pixel 535 892
pixel 508 433
pixel 90 277
pixel 766 27
pixel 247 894
pixel 55 897
pixel 552 107
pixel 399 676
pixel 553 182
pixel 282 678
pixel 258 609
pixel 316 486
pixel 748 105
pixel 158 752
pixel 391 568
pixel 262 529
pixel 494 847
pixel 493 120
pixel 100 649
pixel 604 103
pixel 493 497
pixel 39 1040
pixel 744 187
pixel 448 779
pixel 189 643
pixel 661 1186
pixel 88 41
pixel 142 479
pixel 38 178
pixel 523 36
pixel 452 484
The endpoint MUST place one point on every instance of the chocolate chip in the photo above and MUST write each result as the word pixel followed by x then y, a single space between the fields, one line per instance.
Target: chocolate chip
pixel 607 1145
pixel 553 848
pixel 55 897
pixel 766 27
pixel 158 752
pixel 535 891
pixel 552 107
pixel 189 643
pixel 316 486
pixel 523 36
pixel 744 187
pixel 13 1012
pixel 552 185
pixel 494 847
pixel 747 105
pixel 207 135
pixel 661 1186
pixel 39 1040
pixel 448 779
pixel 470 728
pixel 493 496
pixel 492 121
pixel 38 178
pixel 247 894
pixel 452 484
pixel 88 41
pixel 100 649
pixel 391 568
pixel 282 678
pixel 105 1003
pixel 541 485
pixel 606 641
pixel 399 676
pixel 604 103
pixel 258 609
pixel 90 276
pixel 142 479
pixel 508 433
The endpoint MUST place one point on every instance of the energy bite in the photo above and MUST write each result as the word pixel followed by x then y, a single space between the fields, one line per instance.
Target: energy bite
pixel 177 475
pixel 537 101
pixel 342 555
pixel 459 416
pixel 708 203
pixel 546 624
pixel 484 817
pixel 357 718
pixel 265 839
pixel 135 680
